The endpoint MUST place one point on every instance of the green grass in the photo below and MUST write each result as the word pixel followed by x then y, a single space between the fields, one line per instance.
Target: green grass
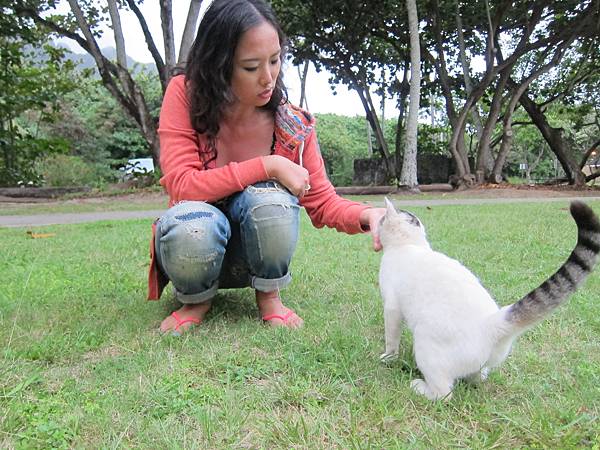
pixel 83 366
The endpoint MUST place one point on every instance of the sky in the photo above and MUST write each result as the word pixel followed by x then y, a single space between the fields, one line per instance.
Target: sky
pixel 319 94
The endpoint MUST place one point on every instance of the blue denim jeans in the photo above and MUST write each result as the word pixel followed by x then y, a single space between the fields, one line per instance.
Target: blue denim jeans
pixel 247 239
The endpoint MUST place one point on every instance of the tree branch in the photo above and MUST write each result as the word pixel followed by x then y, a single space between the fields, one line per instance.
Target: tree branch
pixel 160 65
pixel 118 33
pixel 189 31
pixel 588 153
pixel 166 20
pixel 29 12
pixel 592 176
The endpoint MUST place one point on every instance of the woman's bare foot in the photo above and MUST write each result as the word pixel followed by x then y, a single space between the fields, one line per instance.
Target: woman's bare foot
pixel 269 304
pixel 194 312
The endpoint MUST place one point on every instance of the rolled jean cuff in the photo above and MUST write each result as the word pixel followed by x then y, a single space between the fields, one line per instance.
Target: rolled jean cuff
pixel 201 297
pixel 272 284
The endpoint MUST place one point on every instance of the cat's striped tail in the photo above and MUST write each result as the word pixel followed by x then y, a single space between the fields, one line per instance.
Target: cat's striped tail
pixel 555 290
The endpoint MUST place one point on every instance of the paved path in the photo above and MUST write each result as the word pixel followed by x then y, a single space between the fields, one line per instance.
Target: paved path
pixel 39 220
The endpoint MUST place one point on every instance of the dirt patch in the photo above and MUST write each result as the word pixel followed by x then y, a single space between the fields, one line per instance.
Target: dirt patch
pixel 525 191
pixel 20 200
pixel 134 198
pixel 486 191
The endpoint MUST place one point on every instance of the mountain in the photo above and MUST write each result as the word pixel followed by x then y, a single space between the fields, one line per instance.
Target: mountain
pixel 86 61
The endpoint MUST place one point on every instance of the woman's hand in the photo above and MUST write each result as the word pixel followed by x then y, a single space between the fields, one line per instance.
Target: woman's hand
pixel 291 175
pixel 371 218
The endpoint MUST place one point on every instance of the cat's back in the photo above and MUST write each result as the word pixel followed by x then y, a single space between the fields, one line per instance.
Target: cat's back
pixel 421 259
pixel 427 276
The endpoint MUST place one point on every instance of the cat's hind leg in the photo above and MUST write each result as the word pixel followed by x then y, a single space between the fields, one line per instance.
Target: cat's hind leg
pixel 479 376
pixel 393 328
pixel 434 366
pixel 500 352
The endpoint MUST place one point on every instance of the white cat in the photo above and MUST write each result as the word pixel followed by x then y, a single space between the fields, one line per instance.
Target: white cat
pixel 458 329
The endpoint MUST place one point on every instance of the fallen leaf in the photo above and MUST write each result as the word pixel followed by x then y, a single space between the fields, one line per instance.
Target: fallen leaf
pixel 40 235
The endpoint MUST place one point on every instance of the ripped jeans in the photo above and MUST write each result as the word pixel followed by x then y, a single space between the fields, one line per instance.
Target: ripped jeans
pixel 247 239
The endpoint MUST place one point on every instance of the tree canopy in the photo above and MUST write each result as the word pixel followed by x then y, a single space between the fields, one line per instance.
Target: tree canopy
pixel 490 70
pixel 528 50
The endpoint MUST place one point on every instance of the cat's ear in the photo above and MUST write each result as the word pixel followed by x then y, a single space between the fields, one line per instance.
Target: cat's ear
pixel 390 207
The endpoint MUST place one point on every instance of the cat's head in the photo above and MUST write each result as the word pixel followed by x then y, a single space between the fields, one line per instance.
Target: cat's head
pixel 400 228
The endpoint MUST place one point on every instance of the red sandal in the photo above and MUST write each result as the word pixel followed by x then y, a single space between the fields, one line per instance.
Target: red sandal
pixel 181 321
pixel 284 318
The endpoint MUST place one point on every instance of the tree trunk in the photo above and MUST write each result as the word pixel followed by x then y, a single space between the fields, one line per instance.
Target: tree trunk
pixel 485 161
pixel 118 32
pixel 532 165
pixel 189 31
pixel 505 146
pixel 166 20
pixel 484 150
pixel 371 114
pixel 408 177
pixel 375 123
pixel 456 145
pixel 119 40
pixel 404 91
pixel 555 140
pixel 518 91
pixel 303 76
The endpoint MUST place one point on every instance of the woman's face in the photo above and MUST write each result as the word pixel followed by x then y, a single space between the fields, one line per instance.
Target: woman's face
pixel 256 65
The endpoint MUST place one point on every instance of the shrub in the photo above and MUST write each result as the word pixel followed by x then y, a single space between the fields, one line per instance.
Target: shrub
pixel 67 170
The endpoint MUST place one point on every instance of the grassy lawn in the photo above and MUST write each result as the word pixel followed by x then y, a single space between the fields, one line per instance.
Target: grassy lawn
pixel 83 366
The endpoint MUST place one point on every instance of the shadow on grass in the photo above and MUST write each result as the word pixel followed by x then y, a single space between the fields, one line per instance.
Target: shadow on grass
pixel 229 304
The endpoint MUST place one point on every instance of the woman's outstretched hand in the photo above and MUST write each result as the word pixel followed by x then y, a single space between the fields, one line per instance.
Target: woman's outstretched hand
pixel 293 176
pixel 371 218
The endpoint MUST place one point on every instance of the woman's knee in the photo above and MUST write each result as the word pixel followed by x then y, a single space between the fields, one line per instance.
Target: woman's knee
pixel 267 202
pixel 190 244
pixel 270 223
pixel 275 228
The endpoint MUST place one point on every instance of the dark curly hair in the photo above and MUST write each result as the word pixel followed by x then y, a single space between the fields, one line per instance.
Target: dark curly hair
pixel 209 66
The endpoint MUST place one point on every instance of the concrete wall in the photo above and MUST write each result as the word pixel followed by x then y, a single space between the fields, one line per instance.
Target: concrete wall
pixel 430 169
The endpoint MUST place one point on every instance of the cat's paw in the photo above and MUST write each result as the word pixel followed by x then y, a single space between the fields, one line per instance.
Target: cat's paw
pixel 421 387
pixel 387 358
pixel 478 377
pixel 485 372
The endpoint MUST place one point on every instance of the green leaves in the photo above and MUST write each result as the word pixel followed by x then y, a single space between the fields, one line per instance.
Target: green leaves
pixel 31 86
